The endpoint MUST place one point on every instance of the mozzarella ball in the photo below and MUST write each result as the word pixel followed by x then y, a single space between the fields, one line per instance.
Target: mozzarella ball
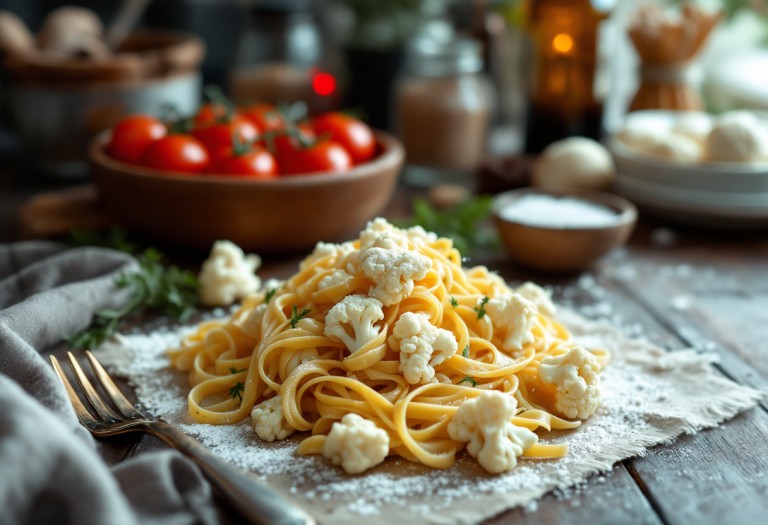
pixel 641 134
pixel 68 23
pixel 695 125
pixel 677 147
pixel 575 162
pixel 15 37
pixel 737 136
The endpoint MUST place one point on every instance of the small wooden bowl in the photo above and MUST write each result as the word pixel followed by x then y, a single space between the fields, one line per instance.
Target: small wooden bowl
pixel 563 250
pixel 284 214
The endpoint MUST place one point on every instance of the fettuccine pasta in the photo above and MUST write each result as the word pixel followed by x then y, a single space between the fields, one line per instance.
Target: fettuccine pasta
pixel 386 346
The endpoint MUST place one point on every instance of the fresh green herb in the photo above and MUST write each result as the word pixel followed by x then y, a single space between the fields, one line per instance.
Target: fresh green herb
pixel 237 391
pixel 454 302
pixel 236 371
pixel 481 309
pixel 463 223
pixel 270 294
pixel 296 317
pixel 116 239
pixel 465 353
pixel 171 290
pixel 468 380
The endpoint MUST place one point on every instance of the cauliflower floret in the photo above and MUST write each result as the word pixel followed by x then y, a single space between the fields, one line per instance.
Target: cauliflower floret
pixel 373 230
pixel 356 444
pixel 327 249
pixel 485 422
pixel 269 421
pixel 358 312
pixel 228 275
pixel 337 277
pixel 538 296
pixel 393 268
pixel 272 284
pixel 417 233
pixel 250 321
pixel 422 346
pixel 576 375
pixel 513 315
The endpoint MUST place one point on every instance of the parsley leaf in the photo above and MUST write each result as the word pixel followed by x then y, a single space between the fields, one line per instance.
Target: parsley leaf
pixel 236 371
pixel 116 239
pixel 454 302
pixel 468 380
pixel 296 317
pixel 465 353
pixel 481 310
pixel 170 290
pixel 270 294
pixel 237 391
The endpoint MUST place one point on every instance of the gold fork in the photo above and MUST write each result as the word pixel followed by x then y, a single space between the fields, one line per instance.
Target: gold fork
pixel 255 502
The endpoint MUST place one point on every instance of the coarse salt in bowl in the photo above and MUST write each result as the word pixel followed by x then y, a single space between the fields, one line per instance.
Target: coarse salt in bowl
pixel 562 230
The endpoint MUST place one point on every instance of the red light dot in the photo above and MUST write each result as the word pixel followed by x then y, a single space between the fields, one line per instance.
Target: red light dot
pixel 324 84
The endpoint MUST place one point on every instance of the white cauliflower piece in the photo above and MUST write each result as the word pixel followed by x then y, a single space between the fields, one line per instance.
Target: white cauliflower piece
pixel 373 230
pixel 356 444
pixel 326 249
pixel 228 275
pixel 538 296
pixel 513 315
pixel 269 421
pixel 358 314
pixel 485 422
pixel 422 346
pixel 393 269
pixel 337 277
pixel 250 321
pixel 576 374
pixel 417 233
pixel 272 284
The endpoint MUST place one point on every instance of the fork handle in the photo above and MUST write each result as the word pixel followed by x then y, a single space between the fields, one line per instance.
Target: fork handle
pixel 254 501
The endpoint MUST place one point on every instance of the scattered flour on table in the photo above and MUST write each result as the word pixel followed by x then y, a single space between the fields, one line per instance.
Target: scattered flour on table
pixel 649 397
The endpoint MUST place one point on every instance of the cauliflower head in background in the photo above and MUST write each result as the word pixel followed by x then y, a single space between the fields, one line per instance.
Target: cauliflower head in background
pixel 485 423
pixel 421 345
pixel 356 444
pixel 393 268
pixel 576 375
pixel 228 275
pixel 358 314
pixel 514 316
pixel 538 296
pixel 417 233
pixel 269 421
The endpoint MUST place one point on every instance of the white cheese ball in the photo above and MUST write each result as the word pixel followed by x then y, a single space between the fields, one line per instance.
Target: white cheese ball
pixel 737 136
pixel 694 124
pixel 677 147
pixel 642 134
pixel 576 162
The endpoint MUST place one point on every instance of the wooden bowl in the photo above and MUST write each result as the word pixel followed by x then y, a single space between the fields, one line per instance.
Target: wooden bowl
pixel 284 214
pixel 563 250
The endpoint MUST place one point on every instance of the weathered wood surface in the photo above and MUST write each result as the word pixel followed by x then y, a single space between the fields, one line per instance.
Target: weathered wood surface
pixel 708 291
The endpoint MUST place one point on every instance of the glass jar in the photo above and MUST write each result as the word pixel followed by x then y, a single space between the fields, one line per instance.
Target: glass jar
pixel 442 109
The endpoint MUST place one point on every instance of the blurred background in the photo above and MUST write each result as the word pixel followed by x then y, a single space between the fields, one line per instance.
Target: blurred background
pixel 474 91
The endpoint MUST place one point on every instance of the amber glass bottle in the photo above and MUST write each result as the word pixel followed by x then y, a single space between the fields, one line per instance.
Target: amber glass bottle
pixel 565 96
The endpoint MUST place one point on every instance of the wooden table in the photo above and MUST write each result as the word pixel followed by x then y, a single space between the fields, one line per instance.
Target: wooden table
pixel 683 289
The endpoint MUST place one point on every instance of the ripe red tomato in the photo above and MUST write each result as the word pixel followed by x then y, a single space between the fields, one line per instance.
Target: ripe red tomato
pixel 354 135
pixel 210 113
pixel 265 116
pixel 132 135
pixel 218 135
pixel 326 155
pixel 286 144
pixel 255 163
pixel 176 153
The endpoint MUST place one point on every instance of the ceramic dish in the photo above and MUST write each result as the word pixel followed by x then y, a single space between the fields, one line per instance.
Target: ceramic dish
pixel 558 249
pixel 284 214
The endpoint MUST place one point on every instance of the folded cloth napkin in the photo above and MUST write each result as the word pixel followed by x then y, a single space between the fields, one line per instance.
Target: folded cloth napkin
pixel 50 471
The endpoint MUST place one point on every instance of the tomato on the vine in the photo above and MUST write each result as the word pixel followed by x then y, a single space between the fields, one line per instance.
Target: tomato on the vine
pixel 265 116
pixel 132 135
pixel 218 135
pixel 210 113
pixel 176 153
pixel 253 162
pixel 287 141
pixel 356 137
pixel 323 156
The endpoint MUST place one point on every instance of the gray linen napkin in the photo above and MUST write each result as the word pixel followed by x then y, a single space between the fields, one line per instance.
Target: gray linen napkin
pixel 49 471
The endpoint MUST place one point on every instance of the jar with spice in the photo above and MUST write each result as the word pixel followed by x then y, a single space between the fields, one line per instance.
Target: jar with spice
pixel 442 107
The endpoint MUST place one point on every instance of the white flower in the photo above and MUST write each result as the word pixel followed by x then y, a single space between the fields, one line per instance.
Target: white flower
pixel 356 444
pixel 513 316
pixel 576 375
pixel 228 275
pixel 268 420
pixel 355 313
pixel 485 422
pixel 421 346
pixel 538 296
